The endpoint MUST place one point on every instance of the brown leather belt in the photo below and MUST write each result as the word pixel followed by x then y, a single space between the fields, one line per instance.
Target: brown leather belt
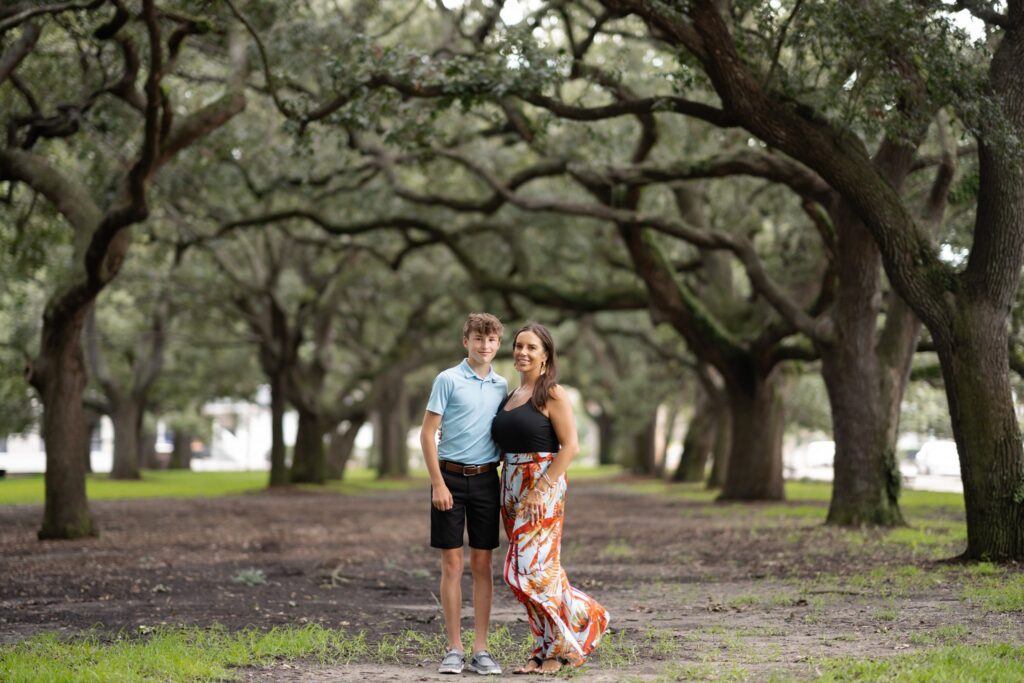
pixel 467 470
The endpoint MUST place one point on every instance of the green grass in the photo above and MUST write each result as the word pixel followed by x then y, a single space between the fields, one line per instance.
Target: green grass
pixel 154 484
pixel 197 654
pixel 172 654
pixel 617 550
pixel 947 634
pixel 997 593
pixel 994 663
pixel 28 489
pixel 913 503
pixel 185 484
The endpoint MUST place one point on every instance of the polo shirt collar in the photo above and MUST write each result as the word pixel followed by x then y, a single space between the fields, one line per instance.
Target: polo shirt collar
pixel 469 374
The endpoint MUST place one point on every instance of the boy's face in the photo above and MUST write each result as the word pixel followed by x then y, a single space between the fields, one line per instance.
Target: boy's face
pixel 482 347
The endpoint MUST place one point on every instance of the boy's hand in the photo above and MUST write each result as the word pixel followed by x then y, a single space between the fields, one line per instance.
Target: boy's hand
pixel 441 498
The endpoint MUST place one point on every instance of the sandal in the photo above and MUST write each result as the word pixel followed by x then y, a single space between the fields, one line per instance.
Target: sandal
pixel 551 666
pixel 537 664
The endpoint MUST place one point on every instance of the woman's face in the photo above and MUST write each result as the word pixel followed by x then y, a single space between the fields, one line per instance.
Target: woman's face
pixel 528 352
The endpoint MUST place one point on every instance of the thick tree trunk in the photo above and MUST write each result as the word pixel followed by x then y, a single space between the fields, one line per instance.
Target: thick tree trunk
pixel 340 447
pixel 755 459
pixel 645 446
pixel 181 453
pixel 722 448
pixel 607 434
pixel 61 383
pixel 127 416
pixel 699 440
pixel 148 457
pixel 308 458
pixel 866 487
pixel 973 352
pixel 394 429
pixel 278 464
pixel 865 373
pixel 977 377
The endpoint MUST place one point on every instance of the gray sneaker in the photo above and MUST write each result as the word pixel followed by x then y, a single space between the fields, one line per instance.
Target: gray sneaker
pixel 452 663
pixel 483 663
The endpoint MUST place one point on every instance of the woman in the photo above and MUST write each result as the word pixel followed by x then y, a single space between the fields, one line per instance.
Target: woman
pixel 536 430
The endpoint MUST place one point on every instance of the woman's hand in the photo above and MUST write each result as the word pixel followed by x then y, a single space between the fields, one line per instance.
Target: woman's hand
pixel 533 504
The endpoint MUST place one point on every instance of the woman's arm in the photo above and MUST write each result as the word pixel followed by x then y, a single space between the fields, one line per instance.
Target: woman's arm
pixel 564 421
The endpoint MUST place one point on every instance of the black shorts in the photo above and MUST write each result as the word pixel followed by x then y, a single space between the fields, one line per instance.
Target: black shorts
pixel 476 504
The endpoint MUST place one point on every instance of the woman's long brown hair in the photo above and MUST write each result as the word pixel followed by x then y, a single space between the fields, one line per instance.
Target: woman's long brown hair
pixel 549 378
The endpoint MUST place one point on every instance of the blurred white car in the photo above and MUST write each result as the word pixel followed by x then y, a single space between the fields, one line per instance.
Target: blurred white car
pixel 813 460
pixel 938 458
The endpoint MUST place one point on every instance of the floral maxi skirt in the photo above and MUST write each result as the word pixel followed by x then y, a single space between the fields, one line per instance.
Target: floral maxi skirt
pixel 566 623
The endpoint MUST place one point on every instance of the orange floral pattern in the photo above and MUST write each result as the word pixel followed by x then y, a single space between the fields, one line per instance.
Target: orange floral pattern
pixel 566 622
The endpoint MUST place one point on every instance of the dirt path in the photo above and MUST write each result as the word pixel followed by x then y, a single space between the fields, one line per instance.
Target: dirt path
pixel 691 587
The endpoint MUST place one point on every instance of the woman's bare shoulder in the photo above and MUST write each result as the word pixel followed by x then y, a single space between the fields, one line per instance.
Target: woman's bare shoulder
pixel 557 393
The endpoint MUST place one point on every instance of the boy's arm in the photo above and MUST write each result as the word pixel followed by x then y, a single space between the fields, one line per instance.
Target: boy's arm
pixel 440 496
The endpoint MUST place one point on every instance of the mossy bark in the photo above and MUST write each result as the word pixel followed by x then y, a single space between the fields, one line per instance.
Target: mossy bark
pixel 60 377
pixel 181 452
pixel 644 461
pixel 755 458
pixel 699 442
pixel 127 417
pixel 607 435
pixel 393 429
pixel 308 457
pixel 340 448
pixel 988 439
pixel 278 454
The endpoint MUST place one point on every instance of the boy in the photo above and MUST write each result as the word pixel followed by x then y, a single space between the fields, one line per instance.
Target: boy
pixel 465 489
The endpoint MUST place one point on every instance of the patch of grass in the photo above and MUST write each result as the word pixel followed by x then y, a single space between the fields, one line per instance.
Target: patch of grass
pixel 947 634
pixel 618 550
pixel 250 577
pixel 933 539
pixel 21 489
pixel 800 511
pixel 983 569
pixel 195 654
pixel 809 491
pixel 993 663
pixel 886 614
pixel 588 472
pixel 172 654
pixel 693 492
pixel 703 672
pixel 154 484
pixel 617 650
pixel 662 642
pixel 998 593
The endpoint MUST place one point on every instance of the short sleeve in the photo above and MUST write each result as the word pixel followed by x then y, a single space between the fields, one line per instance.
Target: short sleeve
pixel 440 393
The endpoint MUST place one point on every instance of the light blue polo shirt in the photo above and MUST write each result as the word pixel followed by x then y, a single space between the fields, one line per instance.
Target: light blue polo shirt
pixel 467 404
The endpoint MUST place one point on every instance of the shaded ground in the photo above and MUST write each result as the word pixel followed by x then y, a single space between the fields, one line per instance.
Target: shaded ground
pixel 694 589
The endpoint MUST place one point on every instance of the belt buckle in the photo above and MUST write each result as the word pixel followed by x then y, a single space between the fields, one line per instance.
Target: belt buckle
pixel 466 470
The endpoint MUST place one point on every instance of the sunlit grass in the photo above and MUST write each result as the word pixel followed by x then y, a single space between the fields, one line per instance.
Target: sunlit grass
pixel 994 663
pixel 154 484
pixel 21 489
pixel 212 654
pixel 803 499
pixel 186 484
pixel 997 593
pixel 173 654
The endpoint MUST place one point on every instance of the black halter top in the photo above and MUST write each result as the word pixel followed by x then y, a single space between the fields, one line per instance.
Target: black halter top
pixel 523 429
